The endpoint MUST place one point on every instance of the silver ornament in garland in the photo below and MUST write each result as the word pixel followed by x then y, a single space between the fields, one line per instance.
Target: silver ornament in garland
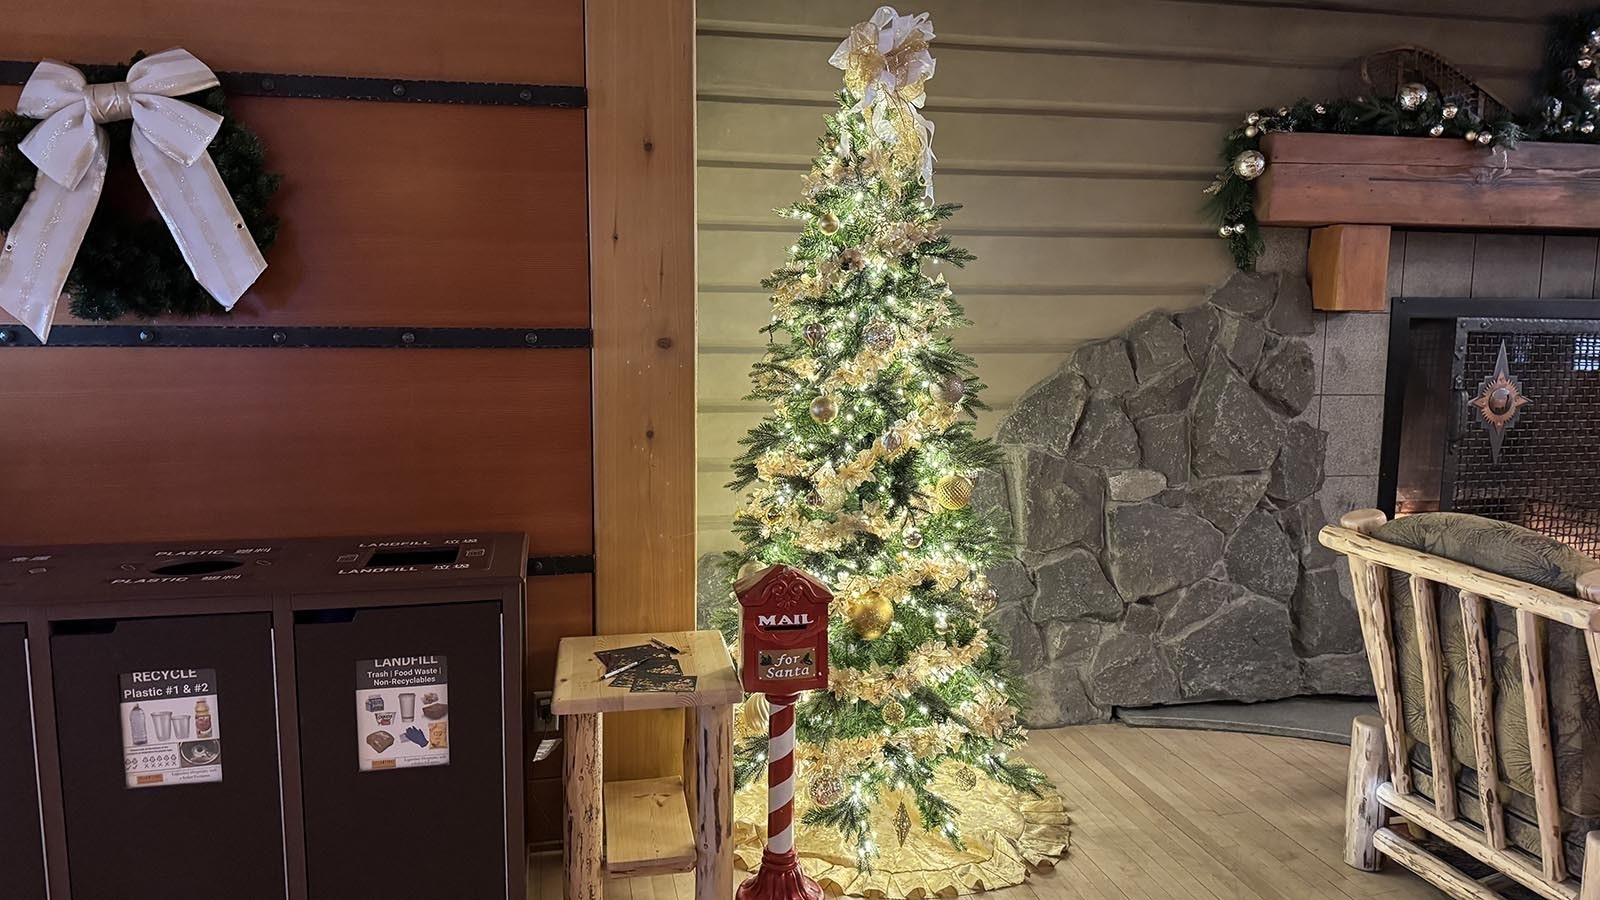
pixel 1552 108
pixel 1449 110
pixel 1484 138
pixel 1436 130
pixel 1587 128
pixel 950 390
pixel 1590 89
pixel 913 539
pixel 891 441
pixel 1249 165
pixel 1413 95
pixel 1225 231
pixel 814 333
pixel 879 336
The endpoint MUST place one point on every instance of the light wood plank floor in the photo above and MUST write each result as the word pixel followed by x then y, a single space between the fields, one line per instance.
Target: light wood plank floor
pixel 1164 815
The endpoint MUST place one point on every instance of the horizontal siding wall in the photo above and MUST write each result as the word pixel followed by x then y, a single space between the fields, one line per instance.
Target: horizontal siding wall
pixel 1078 135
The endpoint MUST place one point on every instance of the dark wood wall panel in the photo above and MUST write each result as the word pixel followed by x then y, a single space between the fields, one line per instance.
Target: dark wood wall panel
pixel 417 216
pixel 485 40
pixel 113 445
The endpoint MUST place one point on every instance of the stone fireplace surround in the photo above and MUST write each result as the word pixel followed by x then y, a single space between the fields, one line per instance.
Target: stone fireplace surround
pixel 1166 485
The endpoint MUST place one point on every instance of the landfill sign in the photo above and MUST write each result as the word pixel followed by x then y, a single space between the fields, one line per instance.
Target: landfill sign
pixel 402 712
pixel 171 727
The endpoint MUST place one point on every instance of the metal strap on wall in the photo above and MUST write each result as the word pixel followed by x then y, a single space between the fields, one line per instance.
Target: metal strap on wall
pixel 345 87
pixel 307 337
pixel 560 565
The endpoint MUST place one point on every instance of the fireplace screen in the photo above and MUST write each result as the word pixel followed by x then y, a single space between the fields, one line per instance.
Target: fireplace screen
pixel 1525 437
pixel 1496 415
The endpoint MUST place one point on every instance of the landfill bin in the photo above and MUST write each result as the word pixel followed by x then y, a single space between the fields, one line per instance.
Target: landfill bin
pixel 168 746
pixel 21 844
pixel 402 717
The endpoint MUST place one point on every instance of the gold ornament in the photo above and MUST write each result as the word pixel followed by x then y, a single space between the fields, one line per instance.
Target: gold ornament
pixel 824 410
pixel 870 616
pixel 966 779
pixel 1251 131
pixel 1249 165
pixel 902 823
pixel 913 539
pixel 829 223
pixel 953 491
pixel 894 713
pixel 755 713
pixel 827 788
pixel 1413 95
pixel 814 333
pixel 879 336
pixel 950 390
pixel 1471 137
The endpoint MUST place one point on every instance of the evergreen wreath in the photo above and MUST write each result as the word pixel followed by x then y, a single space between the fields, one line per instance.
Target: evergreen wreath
pixel 129 265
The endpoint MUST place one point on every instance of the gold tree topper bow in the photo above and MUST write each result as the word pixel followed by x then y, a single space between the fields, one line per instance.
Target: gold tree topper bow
pixel 886 62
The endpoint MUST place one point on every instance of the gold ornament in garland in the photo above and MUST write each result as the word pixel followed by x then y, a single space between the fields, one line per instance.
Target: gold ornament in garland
pixel 965 778
pixel 894 713
pixel 827 788
pixel 814 333
pixel 902 823
pixel 913 539
pixel 879 336
pixel 824 409
pixel 953 491
pixel 829 223
pixel 870 615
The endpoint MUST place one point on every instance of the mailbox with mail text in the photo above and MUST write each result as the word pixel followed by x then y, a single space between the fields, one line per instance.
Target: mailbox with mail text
pixel 784 632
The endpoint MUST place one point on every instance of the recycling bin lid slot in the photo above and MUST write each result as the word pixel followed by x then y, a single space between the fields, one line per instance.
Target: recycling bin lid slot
pixel 197 567
pixel 417 556
pixel 339 616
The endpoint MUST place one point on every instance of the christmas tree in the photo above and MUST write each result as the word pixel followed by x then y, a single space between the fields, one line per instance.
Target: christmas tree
pixel 864 472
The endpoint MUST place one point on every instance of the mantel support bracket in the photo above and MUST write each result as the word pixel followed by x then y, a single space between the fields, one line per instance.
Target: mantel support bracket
pixel 1349 268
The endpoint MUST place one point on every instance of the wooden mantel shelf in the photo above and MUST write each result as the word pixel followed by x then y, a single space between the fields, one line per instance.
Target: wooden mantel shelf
pixel 1353 188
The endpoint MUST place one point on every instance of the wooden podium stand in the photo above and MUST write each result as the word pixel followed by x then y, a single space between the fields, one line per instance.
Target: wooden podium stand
pixel 644 827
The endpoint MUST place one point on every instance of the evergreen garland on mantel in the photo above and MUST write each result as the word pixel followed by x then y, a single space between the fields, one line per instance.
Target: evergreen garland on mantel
pixel 1568 109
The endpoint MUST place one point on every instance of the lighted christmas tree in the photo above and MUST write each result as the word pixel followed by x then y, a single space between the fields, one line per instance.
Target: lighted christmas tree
pixel 863 475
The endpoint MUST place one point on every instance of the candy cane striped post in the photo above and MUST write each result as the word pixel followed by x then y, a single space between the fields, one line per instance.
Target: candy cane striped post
pixel 780 876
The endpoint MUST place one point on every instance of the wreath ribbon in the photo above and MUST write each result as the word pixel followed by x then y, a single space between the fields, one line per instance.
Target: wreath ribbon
pixel 168 146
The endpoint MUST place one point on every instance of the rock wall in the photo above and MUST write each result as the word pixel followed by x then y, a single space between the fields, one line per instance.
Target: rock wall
pixel 1163 488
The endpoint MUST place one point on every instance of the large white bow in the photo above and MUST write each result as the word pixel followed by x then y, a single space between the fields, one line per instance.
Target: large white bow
pixel 169 150
pixel 886 61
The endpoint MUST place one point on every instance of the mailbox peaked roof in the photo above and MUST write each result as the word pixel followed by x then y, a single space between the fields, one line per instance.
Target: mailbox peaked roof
pixel 781 586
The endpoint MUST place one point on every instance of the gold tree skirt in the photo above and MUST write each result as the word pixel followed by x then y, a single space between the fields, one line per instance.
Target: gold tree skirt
pixel 1005 832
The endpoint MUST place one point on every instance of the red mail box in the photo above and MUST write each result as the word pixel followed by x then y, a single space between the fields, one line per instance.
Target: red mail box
pixel 785 631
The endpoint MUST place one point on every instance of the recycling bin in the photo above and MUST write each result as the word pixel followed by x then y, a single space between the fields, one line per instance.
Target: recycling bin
pixel 403 751
pixel 169 755
pixel 21 844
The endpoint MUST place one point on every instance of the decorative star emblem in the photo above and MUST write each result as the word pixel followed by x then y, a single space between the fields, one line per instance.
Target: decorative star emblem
pixel 1499 400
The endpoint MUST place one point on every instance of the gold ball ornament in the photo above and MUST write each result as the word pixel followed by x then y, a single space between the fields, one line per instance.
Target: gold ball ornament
pixel 879 336
pixel 870 615
pixel 1412 95
pixel 814 333
pixel 894 713
pixel 953 491
pixel 950 390
pixel 755 713
pixel 1249 165
pixel 824 409
pixel 829 223
pixel 965 777
pixel 827 788
pixel 1251 131
pixel 1470 137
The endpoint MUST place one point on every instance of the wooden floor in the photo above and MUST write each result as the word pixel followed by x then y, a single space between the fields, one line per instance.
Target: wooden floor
pixel 1165 815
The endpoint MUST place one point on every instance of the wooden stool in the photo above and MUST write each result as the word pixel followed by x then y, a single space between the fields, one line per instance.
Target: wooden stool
pixel 645 824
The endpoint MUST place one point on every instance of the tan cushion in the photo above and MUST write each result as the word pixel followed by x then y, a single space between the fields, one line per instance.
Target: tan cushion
pixel 1527 556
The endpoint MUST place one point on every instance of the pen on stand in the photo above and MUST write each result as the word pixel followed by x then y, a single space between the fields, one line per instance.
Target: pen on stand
pixel 620 669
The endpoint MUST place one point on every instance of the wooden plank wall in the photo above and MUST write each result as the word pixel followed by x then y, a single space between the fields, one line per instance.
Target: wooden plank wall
pixel 393 214
pixel 1079 135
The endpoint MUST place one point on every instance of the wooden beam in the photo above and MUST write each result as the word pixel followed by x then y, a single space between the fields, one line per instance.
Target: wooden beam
pixel 1363 814
pixel 641 117
pixel 1424 601
pixel 1432 869
pixel 1326 179
pixel 1480 698
pixel 1371 583
pixel 1349 268
pixel 1541 752
pixel 1514 864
